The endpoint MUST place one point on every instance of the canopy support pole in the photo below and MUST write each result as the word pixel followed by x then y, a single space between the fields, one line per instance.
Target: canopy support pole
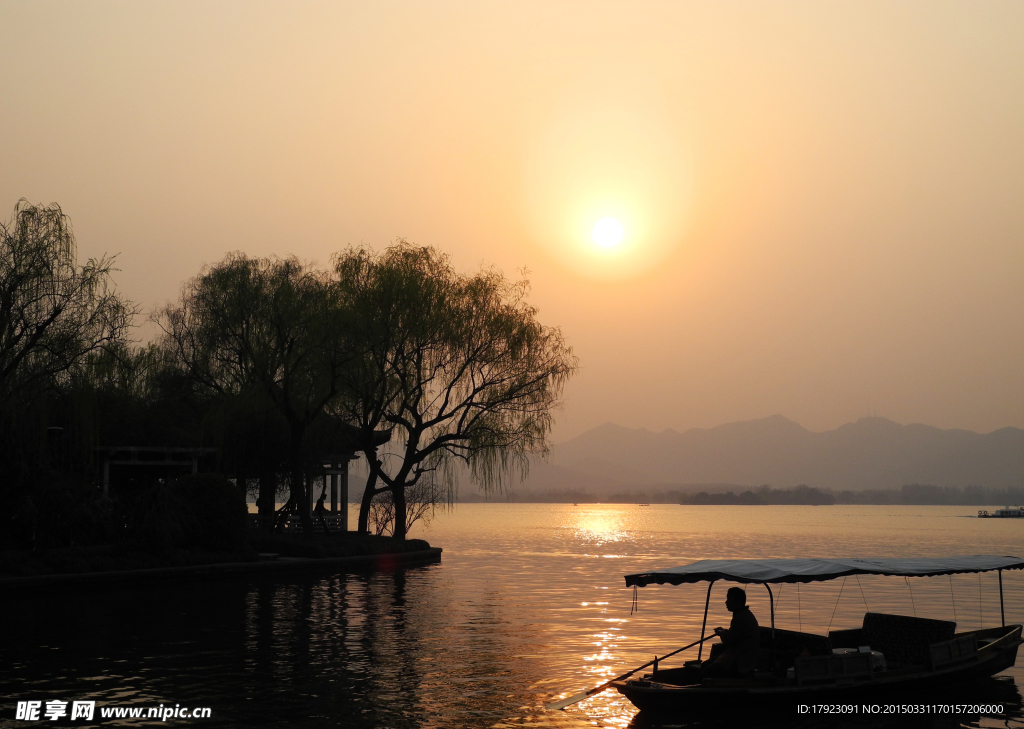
pixel 1002 613
pixel 771 602
pixel 704 625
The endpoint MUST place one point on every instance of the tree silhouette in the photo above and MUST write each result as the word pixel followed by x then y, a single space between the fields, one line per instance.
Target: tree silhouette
pixel 53 315
pixel 458 364
pixel 53 312
pixel 264 329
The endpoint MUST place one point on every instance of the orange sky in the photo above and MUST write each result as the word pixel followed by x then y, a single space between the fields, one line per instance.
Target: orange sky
pixel 823 202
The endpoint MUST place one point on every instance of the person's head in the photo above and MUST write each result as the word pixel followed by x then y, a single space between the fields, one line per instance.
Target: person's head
pixel 735 599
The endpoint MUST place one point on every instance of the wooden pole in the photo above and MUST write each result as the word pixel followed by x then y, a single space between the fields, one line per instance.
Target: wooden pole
pixel 342 481
pixel 704 625
pixel 1002 613
pixel 559 705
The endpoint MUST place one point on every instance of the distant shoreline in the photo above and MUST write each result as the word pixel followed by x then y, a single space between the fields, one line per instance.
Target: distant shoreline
pixel 584 502
pixel 720 495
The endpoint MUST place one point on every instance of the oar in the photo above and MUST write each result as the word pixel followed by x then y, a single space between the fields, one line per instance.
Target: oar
pixel 558 705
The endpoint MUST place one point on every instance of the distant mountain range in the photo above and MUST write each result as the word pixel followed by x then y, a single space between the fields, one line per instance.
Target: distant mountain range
pixel 872 453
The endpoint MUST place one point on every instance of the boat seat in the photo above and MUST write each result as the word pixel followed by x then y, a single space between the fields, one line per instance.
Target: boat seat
pixel 904 640
pixel 789 644
pixel 847 638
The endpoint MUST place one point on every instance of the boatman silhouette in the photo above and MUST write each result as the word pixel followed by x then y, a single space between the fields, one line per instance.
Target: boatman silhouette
pixel 740 642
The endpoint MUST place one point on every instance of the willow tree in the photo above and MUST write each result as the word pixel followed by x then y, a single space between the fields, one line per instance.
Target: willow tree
pixel 458 364
pixel 53 312
pixel 263 329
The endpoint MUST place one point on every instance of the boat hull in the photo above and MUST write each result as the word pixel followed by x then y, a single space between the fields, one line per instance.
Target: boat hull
pixel 653 696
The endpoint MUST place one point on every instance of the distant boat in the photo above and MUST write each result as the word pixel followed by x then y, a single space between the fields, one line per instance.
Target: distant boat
pixel 1007 513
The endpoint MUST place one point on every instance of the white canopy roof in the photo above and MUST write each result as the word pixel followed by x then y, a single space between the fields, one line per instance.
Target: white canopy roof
pixel 817 570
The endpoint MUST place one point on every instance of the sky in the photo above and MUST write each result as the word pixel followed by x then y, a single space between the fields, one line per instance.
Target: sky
pixel 822 204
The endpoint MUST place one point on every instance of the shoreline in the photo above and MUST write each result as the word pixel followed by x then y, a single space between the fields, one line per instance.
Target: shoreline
pixel 280 564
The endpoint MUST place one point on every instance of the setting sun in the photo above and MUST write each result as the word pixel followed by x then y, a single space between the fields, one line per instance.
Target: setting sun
pixel 608 190
pixel 607 232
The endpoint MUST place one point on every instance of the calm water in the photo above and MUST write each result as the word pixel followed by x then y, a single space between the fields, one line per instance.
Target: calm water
pixel 527 605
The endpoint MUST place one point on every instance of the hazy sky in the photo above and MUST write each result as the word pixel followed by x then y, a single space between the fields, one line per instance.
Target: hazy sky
pixel 823 203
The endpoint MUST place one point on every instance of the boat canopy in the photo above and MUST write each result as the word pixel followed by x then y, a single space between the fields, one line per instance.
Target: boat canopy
pixel 818 570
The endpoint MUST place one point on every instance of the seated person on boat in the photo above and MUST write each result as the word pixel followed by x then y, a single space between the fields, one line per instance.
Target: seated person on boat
pixel 741 641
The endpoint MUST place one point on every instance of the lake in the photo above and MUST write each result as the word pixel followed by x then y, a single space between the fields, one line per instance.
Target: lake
pixel 527 605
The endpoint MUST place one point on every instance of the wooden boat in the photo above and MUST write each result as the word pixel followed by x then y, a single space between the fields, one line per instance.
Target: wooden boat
pixel 889 656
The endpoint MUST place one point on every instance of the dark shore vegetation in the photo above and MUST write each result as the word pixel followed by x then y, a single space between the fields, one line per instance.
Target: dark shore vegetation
pixel 105 558
pixel 116 558
pixel 348 544
pixel 269 368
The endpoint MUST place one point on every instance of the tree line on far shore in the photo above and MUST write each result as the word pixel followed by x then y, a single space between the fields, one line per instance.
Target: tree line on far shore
pixel 273 361
pixel 909 494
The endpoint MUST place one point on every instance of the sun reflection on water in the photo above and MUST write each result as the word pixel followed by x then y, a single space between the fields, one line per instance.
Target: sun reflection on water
pixel 599 525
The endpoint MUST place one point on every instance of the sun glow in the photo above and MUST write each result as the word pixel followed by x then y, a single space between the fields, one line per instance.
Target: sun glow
pixel 607 189
pixel 607 232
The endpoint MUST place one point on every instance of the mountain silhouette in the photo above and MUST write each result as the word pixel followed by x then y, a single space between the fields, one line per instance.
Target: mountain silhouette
pixel 869 453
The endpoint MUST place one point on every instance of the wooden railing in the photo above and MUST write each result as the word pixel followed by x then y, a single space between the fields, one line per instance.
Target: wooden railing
pixel 293 525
